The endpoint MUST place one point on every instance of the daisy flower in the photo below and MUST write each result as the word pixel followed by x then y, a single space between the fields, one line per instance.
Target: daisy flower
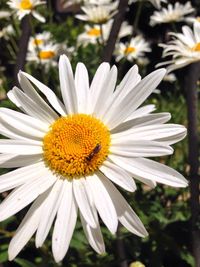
pixel 98 14
pixel 92 34
pixel 155 3
pixel 171 13
pixel 68 155
pixel 25 7
pixel 184 48
pixel 192 20
pixel 39 40
pixel 133 50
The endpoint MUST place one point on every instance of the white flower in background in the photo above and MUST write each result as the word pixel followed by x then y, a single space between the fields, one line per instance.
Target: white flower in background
pixel 184 48
pixel 39 40
pixel 4 14
pixel 133 50
pixel 155 3
pixel 69 154
pixel 6 32
pixel 171 13
pixel 170 77
pixel 25 7
pixel 92 34
pixel 45 54
pixel 98 13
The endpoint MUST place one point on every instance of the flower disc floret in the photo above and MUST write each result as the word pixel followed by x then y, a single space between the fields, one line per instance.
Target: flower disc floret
pixel 76 145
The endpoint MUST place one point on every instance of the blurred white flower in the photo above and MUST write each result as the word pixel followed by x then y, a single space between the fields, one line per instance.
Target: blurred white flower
pixel 25 7
pixel 133 50
pixel 155 3
pixel 100 13
pixel 92 34
pixel 171 13
pixel 45 54
pixel 39 40
pixel 4 14
pixel 6 32
pixel 184 48
pixel 170 77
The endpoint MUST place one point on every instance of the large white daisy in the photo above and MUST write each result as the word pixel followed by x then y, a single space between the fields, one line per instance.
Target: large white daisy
pixel 25 7
pixel 69 155
pixel 184 48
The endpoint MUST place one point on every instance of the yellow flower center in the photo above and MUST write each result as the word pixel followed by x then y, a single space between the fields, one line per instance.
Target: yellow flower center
pixel 76 145
pixel 37 41
pixel 94 32
pixel 196 48
pixel 129 50
pixel 46 54
pixel 26 4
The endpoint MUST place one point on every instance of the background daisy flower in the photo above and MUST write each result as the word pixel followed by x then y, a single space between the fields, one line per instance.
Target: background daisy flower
pixel 68 155
pixel 184 48
pixel 171 13
pixel 133 50
pixel 25 7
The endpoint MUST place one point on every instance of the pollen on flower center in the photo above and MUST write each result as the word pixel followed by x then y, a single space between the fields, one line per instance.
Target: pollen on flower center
pixel 46 54
pixel 129 50
pixel 94 32
pixel 25 4
pixel 196 48
pixel 76 145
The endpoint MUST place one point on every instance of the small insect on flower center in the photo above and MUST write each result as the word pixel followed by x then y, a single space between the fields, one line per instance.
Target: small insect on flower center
pixel 94 32
pixel 46 54
pixel 196 48
pixel 129 50
pixel 26 4
pixel 76 145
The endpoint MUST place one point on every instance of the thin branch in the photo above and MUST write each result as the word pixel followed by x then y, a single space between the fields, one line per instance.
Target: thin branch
pixel 119 17
pixel 190 84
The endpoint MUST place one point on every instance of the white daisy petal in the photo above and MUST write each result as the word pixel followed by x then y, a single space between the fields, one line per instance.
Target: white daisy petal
pixel 65 223
pixel 50 95
pixel 25 119
pixel 103 202
pixel 126 215
pixel 50 208
pixel 134 98
pixel 106 92
pixel 157 132
pixel 118 176
pixel 97 85
pixel 20 176
pixel 139 148
pixel 25 194
pixel 31 92
pixel 79 189
pixel 94 236
pixel 129 81
pixel 67 85
pixel 82 87
pixel 21 124
pixel 149 169
pixel 27 228
pixel 141 112
pixel 142 121
pixel 31 107
pixel 22 147
pixel 15 161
